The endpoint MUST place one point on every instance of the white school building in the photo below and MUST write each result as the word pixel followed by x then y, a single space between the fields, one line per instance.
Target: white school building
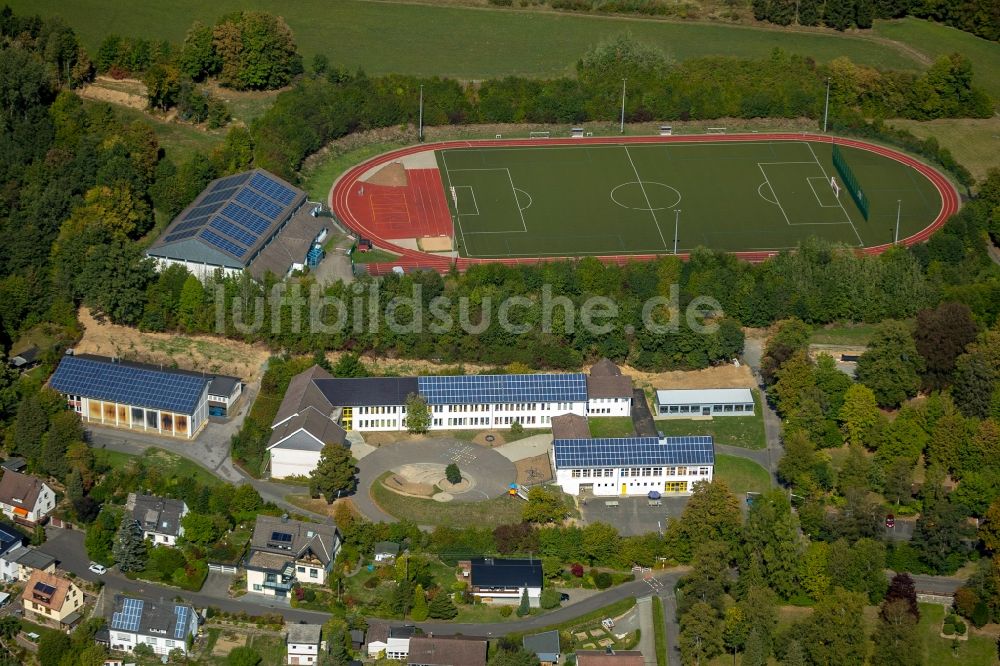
pixel 688 403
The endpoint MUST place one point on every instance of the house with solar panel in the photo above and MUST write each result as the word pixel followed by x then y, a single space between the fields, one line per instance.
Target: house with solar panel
pixel 138 396
pixel 252 221
pixel 163 626
pixel 52 600
pixel 285 552
pixel 638 466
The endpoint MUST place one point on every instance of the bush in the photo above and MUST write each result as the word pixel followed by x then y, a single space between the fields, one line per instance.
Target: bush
pixel 980 614
pixel 506 611
pixel 572 5
pixel 602 580
pixel 371 583
pixel 453 474
pixel 577 570
pixel 549 598
pixel 516 428
pixel 960 628
pixel 948 629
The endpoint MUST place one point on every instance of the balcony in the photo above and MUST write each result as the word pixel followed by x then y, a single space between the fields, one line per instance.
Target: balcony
pixel 286 586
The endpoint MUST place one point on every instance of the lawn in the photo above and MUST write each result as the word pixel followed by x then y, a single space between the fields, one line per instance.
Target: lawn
pixel 741 475
pixel 556 201
pixel 488 513
pixel 165 463
pixel 470 43
pixel 374 256
pixel 934 39
pixel 744 431
pixel 975 142
pixel 611 426
pixel 660 632
pixel 848 335
pixel 977 651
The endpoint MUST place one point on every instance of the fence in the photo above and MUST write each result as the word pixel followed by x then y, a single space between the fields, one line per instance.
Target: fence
pixel 850 181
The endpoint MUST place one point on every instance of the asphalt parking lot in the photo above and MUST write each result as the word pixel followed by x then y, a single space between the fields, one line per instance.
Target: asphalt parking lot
pixel 631 515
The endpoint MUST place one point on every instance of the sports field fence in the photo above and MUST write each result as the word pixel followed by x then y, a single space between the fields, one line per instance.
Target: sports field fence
pixel 850 181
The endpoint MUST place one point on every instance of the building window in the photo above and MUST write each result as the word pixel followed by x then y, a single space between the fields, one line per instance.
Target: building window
pixel 313 573
pixel 256 588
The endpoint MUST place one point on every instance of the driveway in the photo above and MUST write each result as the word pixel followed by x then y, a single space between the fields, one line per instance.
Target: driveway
pixel 491 471
pixel 631 516
pixel 753 350
pixel 642 418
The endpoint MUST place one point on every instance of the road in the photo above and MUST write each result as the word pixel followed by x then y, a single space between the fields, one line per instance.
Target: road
pixel 753 350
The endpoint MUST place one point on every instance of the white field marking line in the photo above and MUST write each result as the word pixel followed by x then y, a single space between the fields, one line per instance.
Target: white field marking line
pixel 530 200
pixel 651 182
pixel 861 243
pixel 473 193
pixel 810 180
pixel 513 191
pixel 458 216
pixel 776 201
pixel 762 194
pixel 646 196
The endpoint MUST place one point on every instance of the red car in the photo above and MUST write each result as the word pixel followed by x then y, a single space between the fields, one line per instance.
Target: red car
pixel 890 521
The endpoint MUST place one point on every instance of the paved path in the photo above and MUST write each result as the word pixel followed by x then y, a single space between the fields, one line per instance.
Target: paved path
pixel 753 350
pixel 529 447
pixel 672 627
pixel 647 642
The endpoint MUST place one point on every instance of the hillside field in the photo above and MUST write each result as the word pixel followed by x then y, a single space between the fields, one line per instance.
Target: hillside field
pixel 464 42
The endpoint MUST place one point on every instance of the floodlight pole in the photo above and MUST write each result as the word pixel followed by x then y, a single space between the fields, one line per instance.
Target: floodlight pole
pixel 826 107
pixel 623 106
pixel 899 209
pixel 677 222
pixel 420 129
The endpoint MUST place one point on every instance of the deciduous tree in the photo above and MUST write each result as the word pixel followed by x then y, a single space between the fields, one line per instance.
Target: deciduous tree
pixel 418 416
pixel 941 335
pixel 891 366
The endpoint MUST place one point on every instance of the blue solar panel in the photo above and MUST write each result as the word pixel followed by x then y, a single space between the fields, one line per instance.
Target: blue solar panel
pixel 204 209
pixel 231 181
pixel 192 223
pixel 180 236
pixel 234 231
pixel 265 207
pixel 128 618
pixel 247 218
pixel 216 196
pixel 272 188
pixel 180 629
pixel 624 451
pixel 223 244
pixel 128 385
pixel 503 388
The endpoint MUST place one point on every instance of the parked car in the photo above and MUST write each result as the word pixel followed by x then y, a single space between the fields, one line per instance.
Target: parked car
pixel 563 596
pixel 98 569
pixel 890 521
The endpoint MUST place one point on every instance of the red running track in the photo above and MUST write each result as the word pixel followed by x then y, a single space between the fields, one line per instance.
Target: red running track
pixel 356 219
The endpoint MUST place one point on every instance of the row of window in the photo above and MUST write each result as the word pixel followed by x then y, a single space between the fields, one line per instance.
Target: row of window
pixel 640 472
pixel 696 409
pixel 148 640
pixel 377 423
pixel 383 409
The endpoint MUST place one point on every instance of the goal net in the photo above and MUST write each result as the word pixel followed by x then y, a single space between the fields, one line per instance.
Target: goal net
pixel 834 186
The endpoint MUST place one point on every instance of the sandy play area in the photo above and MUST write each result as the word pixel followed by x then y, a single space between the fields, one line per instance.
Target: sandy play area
pixel 425 480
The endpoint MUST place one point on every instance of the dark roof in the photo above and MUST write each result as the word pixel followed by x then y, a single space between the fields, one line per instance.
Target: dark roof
pixel 27 357
pixel 128 383
pixel 20 490
pixel 497 572
pixel 609 386
pixel 367 391
pixel 380 632
pixel 231 221
pixel 545 643
pixel 290 246
pixel 570 426
pixel 625 451
pixel 486 389
pixel 305 634
pixel 302 393
pixel 605 368
pixel 32 558
pixel 451 651
pixel 151 618
pixel 9 538
pixel 15 464
pixel 223 385
pixel 156 514
pixel 605 658
pixel 313 422
pixel 358 636
pixel 387 547
pixel 293 538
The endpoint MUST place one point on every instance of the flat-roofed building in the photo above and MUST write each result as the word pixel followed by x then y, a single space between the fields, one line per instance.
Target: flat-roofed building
pixel 688 403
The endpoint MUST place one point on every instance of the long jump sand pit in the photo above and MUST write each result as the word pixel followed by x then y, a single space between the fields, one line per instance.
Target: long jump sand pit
pixel 391 175
pixel 435 243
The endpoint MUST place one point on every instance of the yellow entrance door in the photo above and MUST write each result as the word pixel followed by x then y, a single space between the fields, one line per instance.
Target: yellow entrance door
pixel 347 418
pixel 676 486
pixel 624 489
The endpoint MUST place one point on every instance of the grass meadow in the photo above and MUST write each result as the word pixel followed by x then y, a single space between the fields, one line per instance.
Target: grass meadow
pixel 741 475
pixel 464 42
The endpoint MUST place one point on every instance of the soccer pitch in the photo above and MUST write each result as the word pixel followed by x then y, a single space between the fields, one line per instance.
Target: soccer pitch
pixel 620 199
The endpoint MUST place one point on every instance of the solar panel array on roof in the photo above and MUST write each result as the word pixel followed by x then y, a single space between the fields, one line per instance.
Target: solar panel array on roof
pixel 128 618
pixel 180 629
pixel 45 589
pixel 456 390
pixel 235 215
pixel 619 451
pixel 142 387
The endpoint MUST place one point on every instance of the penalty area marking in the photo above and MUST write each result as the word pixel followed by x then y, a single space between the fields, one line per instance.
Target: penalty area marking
pixel 530 200
pixel 826 182
pixel 473 193
pixel 761 193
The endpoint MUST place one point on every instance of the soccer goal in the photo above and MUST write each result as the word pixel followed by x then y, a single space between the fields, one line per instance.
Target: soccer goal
pixel 538 135
pixel 834 186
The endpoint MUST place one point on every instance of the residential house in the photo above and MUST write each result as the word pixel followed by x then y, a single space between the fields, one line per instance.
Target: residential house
pixel 498 580
pixel 26 359
pixel 284 552
pixel 545 646
pixel 609 392
pixel 164 626
pixel 357 639
pixel 304 643
pixel 386 551
pixel 25 499
pixel 446 651
pixel 609 657
pixel 159 517
pixel 394 642
pixel 10 540
pixel 51 599
pixel 22 561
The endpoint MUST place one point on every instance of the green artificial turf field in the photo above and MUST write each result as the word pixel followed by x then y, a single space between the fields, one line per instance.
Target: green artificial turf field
pixel 621 199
